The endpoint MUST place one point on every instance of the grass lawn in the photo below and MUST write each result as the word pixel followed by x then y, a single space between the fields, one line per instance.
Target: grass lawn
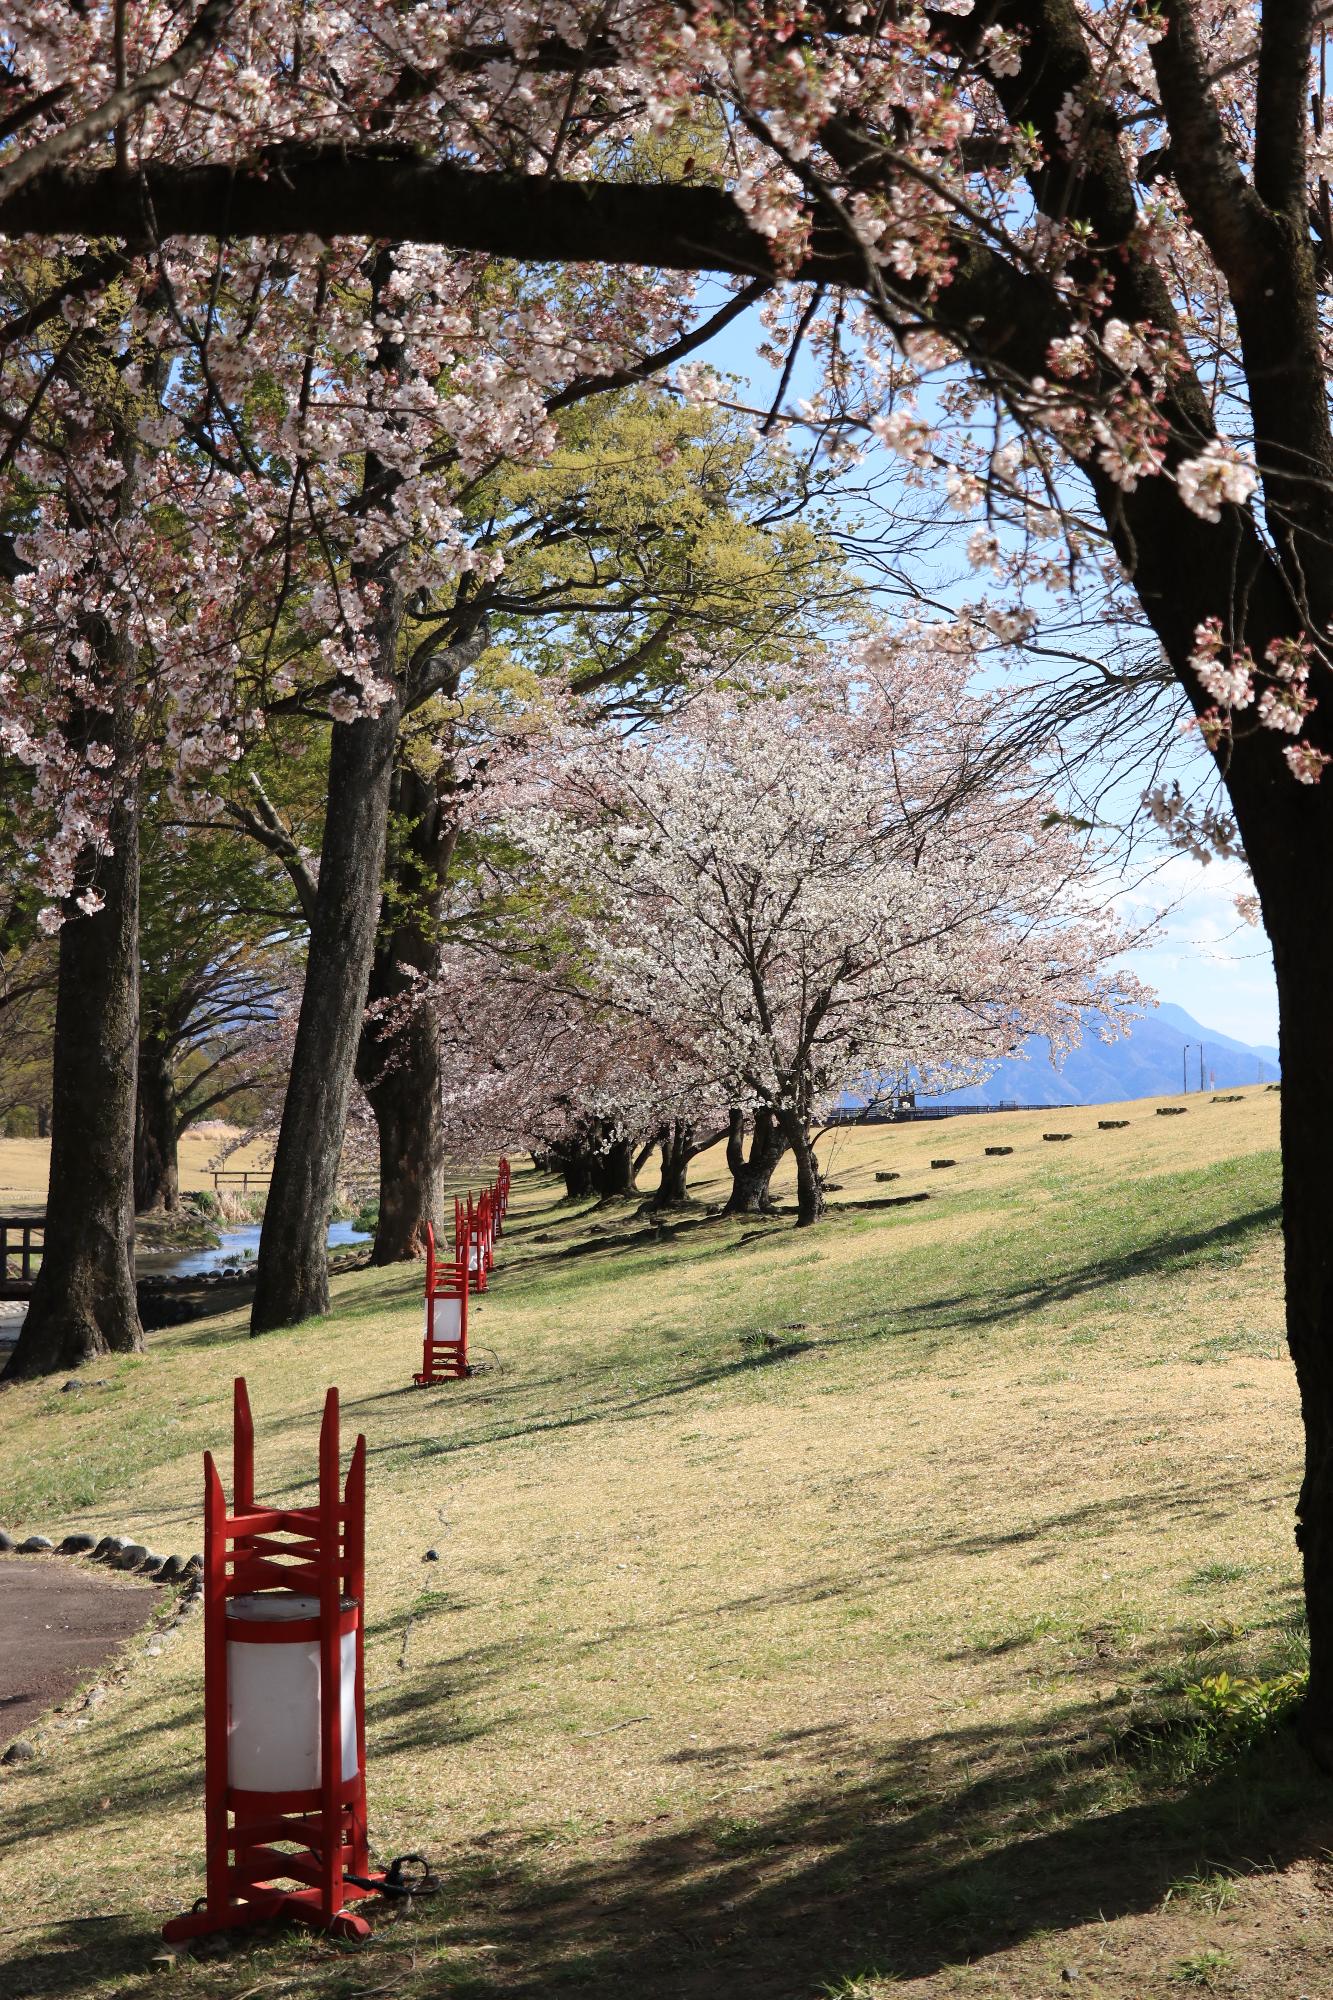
pixel 815 1612
pixel 25 1164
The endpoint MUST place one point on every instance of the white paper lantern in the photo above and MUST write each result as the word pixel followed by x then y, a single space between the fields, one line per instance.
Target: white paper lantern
pixel 273 1698
pixel 448 1321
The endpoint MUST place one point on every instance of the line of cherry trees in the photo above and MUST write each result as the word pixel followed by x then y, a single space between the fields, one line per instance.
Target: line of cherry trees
pixel 778 895
pixel 637 778
pixel 297 891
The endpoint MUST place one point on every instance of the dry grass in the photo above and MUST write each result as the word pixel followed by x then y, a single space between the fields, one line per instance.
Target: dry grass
pixel 796 1594
pixel 24 1163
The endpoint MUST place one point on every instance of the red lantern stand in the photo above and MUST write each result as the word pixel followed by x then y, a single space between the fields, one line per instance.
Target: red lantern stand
pixel 476 1247
pixel 444 1347
pixel 323 1556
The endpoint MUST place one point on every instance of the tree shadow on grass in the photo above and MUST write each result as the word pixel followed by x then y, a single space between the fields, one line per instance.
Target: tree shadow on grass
pixel 941 1851
pixel 623 1256
pixel 466 1672
pixel 1168 1252
pixel 74 1954
pixel 96 1771
pixel 895 1872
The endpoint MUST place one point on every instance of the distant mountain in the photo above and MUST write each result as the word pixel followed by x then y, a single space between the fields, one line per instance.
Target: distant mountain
pixel 1160 1049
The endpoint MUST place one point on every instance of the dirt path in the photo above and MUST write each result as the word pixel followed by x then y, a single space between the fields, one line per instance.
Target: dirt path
pixel 56 1622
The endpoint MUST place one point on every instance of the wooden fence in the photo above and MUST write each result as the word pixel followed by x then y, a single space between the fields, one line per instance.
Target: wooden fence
pixel 18 1261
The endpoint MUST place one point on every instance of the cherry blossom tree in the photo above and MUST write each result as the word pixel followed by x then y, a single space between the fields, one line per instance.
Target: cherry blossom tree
pixel 534 1058
pixel 227 488
pixel 803 889
pixel 1068 258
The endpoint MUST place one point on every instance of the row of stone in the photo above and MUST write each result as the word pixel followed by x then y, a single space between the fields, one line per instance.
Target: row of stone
pixel 159 1307
pixel 231 1274
pixel 116 1551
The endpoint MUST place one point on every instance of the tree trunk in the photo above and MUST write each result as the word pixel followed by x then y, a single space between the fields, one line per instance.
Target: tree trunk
pixel 575 1169
pixel 156 1170
pixel 809 1188
pixel 398 1055
pixel 612 1170
pixel 83 1301
pixel 1294 897
pixel 405 1098
pixel 292 1272
pixel 594 1163
pixel 750 1177
pixel 677 1144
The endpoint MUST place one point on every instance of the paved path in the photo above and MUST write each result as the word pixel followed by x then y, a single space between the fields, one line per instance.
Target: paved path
pixel 56 1621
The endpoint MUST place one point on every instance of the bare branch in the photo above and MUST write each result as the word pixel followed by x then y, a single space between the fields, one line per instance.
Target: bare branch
pixel 264 825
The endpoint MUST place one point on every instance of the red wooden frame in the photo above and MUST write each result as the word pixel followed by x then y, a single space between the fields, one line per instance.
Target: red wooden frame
pixel 443 1357
pixel 317 1551
pixel 474 1237
pixel 477 1223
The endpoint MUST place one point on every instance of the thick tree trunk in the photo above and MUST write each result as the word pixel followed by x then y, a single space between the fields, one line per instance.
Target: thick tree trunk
pixel 612 1170
pixel 594 1163
pixel 405 1098
pixel 750 1177
pixel 83 1301
pixel 292 1272
pixel 575 1170
pixel 156 1169
pixel 1298 906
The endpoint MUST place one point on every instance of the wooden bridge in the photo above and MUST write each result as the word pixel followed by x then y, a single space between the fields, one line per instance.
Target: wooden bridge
pixel 19 1259
pixel 232 1179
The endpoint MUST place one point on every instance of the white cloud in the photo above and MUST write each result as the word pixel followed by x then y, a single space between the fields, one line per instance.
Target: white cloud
pixel 1206 957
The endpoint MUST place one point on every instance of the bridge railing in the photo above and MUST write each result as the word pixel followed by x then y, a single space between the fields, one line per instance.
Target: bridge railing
pixel 22 1238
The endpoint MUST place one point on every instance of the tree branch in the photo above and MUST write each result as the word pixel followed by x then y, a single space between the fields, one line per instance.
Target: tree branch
pixel 264 825
pixel 1281 94
pixel 331 191
pixel 37 160
pixel 623 378
pixel 439 669
pixel 1229 214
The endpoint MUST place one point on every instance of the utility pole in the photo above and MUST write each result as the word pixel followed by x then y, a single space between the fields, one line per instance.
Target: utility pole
pixel 1185 1069
pixel 1200 1065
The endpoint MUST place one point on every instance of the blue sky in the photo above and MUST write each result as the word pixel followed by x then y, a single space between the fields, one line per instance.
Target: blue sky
pixel 1205 959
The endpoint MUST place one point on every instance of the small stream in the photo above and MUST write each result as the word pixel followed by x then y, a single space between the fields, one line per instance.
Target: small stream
pixel 237 1249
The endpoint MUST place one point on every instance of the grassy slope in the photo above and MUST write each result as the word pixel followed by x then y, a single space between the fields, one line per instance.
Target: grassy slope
pixel 794 1593
pixel 24 1166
